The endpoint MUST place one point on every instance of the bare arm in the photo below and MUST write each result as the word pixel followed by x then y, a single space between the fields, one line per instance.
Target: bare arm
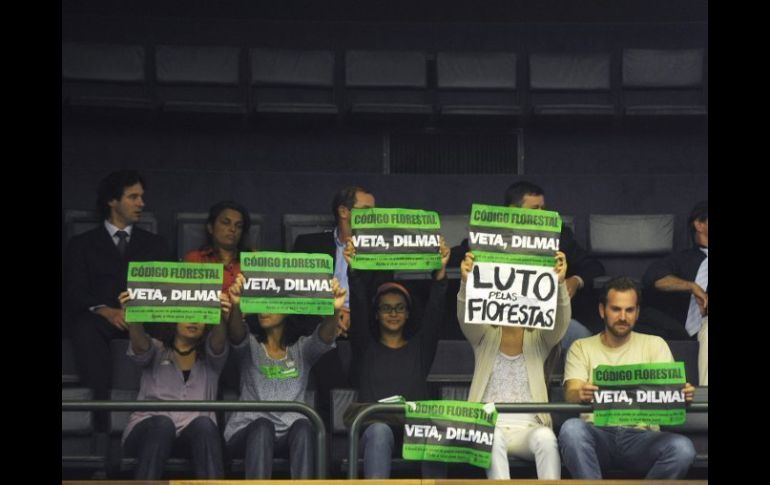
pixel 218 336
pixel 140 341
pixel 674 283
pixel 443 250
pixel 563 304
pixel 328 328
pixel 235 327
pixel 473 333
pixel 578 391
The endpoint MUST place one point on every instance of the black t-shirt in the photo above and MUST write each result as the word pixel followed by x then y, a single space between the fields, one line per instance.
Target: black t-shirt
pixel 379 371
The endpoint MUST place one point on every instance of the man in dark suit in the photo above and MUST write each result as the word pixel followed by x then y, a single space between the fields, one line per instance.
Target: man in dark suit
pixel 96 265
pixel 581 267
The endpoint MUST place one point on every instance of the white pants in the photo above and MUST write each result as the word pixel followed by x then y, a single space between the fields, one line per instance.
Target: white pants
pixel 703 353
pixel 528 441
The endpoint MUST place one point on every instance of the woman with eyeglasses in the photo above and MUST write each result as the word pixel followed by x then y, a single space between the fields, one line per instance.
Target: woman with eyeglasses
pixel 392 355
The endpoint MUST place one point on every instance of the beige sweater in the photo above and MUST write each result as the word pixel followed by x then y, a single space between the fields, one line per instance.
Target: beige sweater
pixel 485 340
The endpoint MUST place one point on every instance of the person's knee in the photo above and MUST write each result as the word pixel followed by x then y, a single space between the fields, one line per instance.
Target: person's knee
pixel 261 427
pixel 681 449
pixel 379 433
pixel 163 424
pixel 204 426
pixel 542 438
pixel 573 429
pixel 302 426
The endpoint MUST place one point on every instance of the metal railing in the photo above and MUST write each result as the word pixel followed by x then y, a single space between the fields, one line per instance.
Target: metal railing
pixel 378 408
pixel 292 406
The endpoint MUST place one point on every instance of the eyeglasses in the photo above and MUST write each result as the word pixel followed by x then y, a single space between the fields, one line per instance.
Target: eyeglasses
pixel 400 308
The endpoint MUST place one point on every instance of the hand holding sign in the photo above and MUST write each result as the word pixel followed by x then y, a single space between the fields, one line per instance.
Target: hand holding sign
pixel 235 289
pixel 587 392
pixel 689 392
pixel 341 313
pixel 560 266
pixel 339 294
pixel 466 266
pixel 444 252
pixel 123 299
pixel 350 252
pixel 116 317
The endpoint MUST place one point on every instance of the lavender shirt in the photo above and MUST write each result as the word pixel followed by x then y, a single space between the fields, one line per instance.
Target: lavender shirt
pixel 162 380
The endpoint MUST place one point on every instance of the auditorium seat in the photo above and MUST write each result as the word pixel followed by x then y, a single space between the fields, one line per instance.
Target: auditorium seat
pixel 570 84
pixel 386 82
pixel 477 83
pixel 453 363
pixel 203 79
pixel 664 82
pixel 104 75
pixel 297 224
pixel 627 244
pixel 83 449
pixel 292 81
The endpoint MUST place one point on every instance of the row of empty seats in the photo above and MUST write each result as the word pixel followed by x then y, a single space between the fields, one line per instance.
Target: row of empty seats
pixel 625 244
pixel 227 79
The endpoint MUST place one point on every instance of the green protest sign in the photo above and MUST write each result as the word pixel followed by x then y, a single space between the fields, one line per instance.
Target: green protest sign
pixel 640 394
pixel 513 235
pixel 287 283
pixel 449 431
pixel 174 292
pixel 396 239
pixel 513 282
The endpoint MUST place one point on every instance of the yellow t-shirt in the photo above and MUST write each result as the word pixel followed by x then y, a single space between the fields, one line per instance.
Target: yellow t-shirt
pixel 587 353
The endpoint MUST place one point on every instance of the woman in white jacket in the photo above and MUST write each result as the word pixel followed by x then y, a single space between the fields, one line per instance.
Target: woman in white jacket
pixel 509 369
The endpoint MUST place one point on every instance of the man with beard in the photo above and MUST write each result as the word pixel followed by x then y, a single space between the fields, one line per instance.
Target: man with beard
pixel 641 449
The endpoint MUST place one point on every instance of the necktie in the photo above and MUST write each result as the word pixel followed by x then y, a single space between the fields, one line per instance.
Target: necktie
pixel 693 322
pixel 122 243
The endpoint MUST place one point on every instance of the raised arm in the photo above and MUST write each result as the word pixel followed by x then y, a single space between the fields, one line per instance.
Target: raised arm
pixel 235 326
pixel 328 328
pixel 563 303
pixel 359 334
pixel 474 333
pixel 218 335
pixel 434 310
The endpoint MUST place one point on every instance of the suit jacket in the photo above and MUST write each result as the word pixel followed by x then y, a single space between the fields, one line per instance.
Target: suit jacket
pixel 95 273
